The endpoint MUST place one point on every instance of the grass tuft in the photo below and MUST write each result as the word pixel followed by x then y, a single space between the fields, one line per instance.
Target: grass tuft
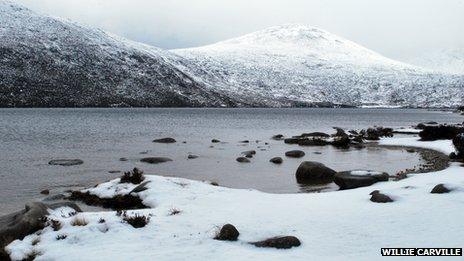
pixel 135 176
pixel 79 222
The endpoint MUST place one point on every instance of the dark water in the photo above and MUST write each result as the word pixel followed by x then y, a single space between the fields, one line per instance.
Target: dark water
pixel 30 138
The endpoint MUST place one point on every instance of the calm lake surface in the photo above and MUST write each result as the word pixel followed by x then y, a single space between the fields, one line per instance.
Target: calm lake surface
pixel 30 138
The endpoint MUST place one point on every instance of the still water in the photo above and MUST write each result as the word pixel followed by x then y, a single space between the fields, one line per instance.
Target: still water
pixel 30 138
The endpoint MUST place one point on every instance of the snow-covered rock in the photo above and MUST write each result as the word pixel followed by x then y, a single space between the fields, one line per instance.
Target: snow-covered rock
pixel 46 61
pixel 305 64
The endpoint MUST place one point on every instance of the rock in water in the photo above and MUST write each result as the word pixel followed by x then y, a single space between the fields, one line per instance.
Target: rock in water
pixel 278 137
pixel 314 172
pixel 283 242
pixel 276 160
pixel 215 141
pixel 66 162
pixel 440 189
pixel 228 233
pixel 359 178
pixel 191 156
pixel 243 160
pixel 249 154
pixel 165 140
pixel 378 197
pixel 155 160
pixel 295 154
pixel 25 222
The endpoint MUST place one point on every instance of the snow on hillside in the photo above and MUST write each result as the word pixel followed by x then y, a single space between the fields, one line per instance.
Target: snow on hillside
pixel 300 63
pixel 448 61
pixel 339 225
pixel 47 61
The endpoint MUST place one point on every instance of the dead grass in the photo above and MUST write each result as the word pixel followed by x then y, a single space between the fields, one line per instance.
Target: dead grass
pixel 136 221
pixel 174 211
pixel 79 222
pixel 135 176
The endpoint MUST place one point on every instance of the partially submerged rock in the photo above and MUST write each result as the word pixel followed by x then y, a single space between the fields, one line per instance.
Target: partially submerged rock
pixel 313 142
pixel 440 132
pixel 440 189
pixel 295 154
pixel 66 162
pixel 310 172
pixel 45 192
pixel 378 197
pixel 191 156
pixel 227 233
pixel 155 160
pixel 281 242
pixel 359 178
pixel 25 222
pixel 276 160
pixel 215 141
pixel 278 137
pixel 242 160
pixel 249 153
pixel 316 134
pixel 165 140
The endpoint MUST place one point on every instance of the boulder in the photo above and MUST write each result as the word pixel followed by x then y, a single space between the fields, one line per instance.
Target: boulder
pixel 278 137
pixel 314 172
pixel 440 189
pixel 243 160
pixel 155 160
pixel 313 142
pixel 276 160
pixel 25 222
pixel 281 242
pixel 458 143
pixel 378 197
pixel 66 162
pixel 249 154
pixel 316 134
pixel 440 132
pixel 342 141
pixel 295 154
pixel 165 140
pixel 359 178
pixel 228 233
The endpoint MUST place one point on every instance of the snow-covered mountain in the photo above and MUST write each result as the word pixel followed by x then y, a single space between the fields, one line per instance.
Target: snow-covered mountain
pixel 297 63
pixel 47 61
pixel 448 61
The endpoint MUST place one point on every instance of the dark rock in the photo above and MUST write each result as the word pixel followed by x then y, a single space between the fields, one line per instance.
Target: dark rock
pixel 411 150
pixel 432 123
pixel 66 162
pixel 284 242
pixel 141 187
pixel 165 140
pixel 191 156
pixel 313 142
pixel 440 189
pixel 342 141
pixel 440 132
pixel 295 154
pixel 292 140
pixel 114 171
pixel 340 132
pixel 278 137
pixel 25 222
pixel 316 134
pixel 155 160
pixel 45 192
pixel 243 160
pixel 244 141
pixel 276 160
pixel 458 143
pixel 354 179
pixel 249 154
pixel 314 172
pixel 215 141
pixel 228 233
pixel 122 159
pixel 378 197
pixel 54 197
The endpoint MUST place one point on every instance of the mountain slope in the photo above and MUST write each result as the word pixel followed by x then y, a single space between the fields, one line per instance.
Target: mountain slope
pixel 297 63
pixel 448 61
pixel 47 62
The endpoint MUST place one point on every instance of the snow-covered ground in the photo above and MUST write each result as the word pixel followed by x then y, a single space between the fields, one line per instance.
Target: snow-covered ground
pixel 341 225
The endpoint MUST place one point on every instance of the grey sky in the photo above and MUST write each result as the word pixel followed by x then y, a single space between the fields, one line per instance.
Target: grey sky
pixel 398 29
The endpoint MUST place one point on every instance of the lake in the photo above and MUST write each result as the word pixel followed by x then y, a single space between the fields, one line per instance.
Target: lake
pixel 30 138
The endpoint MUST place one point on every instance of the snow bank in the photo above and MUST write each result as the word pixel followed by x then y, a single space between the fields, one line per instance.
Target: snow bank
pixel 337 225
pixel 444 146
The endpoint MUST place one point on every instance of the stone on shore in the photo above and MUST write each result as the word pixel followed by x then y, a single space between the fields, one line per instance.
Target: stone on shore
pixel 314 173
pixel 440 189
pixel 165 140
pixel 378 197
pixel 228 233
pixel 359 178
pixel 281 242
pixel 66 162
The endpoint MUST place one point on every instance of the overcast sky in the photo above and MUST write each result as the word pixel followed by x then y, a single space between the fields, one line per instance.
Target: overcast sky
pixel 398 29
